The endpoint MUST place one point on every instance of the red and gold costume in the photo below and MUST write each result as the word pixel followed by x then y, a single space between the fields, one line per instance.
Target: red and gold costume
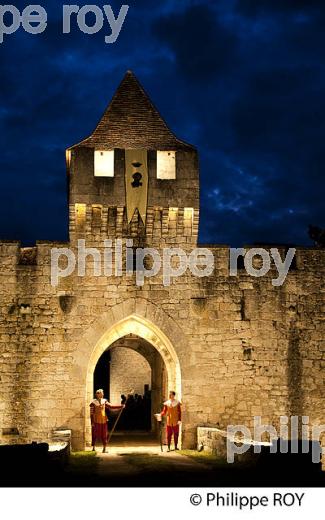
pixel 172 410
pixel 99 419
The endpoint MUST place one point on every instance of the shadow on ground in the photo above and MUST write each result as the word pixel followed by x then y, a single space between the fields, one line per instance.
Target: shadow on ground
pixel 149 469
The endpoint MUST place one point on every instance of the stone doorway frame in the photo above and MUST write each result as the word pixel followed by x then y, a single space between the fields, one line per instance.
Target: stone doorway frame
pixel 135 316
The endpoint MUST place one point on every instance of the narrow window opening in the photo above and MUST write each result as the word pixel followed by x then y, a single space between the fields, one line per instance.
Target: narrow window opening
pixel 104 163
pixel 166 165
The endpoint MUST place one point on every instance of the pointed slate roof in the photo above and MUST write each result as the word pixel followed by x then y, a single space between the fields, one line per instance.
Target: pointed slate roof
pixel 132 121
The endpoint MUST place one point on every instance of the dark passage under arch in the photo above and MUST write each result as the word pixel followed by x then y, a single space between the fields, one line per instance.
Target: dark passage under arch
pixel 132 363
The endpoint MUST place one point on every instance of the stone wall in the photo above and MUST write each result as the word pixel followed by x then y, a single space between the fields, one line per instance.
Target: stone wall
pixel 87 189
pixel 128 370
pixel 212 440
pixel 244 347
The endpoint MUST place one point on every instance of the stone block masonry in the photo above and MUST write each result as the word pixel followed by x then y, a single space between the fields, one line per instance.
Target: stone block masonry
pixel 129 370
pixel 245 347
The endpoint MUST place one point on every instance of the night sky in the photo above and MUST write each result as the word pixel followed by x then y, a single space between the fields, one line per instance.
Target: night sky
pixel 242 80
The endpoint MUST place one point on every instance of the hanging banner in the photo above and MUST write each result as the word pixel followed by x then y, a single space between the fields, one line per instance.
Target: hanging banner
pixel 136 182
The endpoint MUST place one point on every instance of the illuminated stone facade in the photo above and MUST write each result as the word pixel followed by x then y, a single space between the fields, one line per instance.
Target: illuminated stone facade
pixel 231 347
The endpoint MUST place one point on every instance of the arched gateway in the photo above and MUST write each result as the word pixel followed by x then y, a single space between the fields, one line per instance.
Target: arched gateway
pixel 138 317
pixel 134 183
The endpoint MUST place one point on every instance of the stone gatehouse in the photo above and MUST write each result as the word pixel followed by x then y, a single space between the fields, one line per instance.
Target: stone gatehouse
pixel 231 347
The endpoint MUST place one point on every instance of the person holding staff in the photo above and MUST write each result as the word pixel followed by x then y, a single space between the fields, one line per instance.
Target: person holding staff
pixel 99 419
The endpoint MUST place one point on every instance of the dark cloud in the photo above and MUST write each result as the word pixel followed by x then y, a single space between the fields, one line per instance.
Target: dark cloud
pixel 242 80
pixel 256 7
pixel 202 47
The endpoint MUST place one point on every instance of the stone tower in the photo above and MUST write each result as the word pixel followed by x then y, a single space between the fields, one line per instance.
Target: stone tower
pixel 132 177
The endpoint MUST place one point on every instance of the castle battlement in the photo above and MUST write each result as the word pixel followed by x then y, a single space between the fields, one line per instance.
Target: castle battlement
pixel 163 225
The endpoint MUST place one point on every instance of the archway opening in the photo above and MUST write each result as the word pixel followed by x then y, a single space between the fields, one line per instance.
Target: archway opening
pixel 141 337
pixel 132 372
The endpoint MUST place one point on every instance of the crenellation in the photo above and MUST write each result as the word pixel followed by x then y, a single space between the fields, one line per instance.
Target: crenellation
pixel 100 222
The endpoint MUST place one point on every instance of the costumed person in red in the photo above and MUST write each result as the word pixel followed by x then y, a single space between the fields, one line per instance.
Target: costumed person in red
pixel 172 410
pixel 99 419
